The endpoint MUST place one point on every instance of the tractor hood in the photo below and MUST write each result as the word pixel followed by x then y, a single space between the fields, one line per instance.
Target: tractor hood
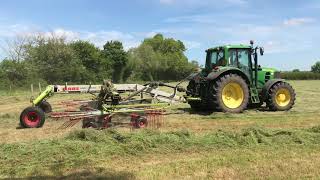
pixel 266 69
pixel 272 72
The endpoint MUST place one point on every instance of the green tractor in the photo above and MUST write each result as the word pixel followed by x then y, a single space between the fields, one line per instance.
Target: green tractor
pixel 232 81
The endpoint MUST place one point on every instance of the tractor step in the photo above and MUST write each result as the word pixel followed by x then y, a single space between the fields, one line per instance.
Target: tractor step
pixel 254 95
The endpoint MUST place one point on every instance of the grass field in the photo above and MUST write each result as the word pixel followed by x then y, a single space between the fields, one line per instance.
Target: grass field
pixel 256 144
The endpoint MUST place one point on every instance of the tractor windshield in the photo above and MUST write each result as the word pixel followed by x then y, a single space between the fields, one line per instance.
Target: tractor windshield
pixel 215 58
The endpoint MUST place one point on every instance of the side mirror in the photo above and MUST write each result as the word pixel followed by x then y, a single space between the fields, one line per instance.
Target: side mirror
pixel 261 51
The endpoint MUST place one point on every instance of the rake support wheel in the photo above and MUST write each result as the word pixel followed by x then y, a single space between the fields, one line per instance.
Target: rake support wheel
pixel 45 106
pixel 32 117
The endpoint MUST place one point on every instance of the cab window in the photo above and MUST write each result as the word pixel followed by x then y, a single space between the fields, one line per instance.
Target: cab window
pixel 240 58
pixel 233 58
pixel 243 58
pixel 216 58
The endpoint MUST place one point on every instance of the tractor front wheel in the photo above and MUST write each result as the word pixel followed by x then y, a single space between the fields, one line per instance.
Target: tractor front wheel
pixel 281 97
pixel 32 117
pixel 230 93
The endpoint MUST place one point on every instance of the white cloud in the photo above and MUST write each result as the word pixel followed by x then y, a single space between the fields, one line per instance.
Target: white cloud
pixel 99 38
pixel 273 46
pixel 167 1
pixel 195 3
pixel 298 21
pixel 173 31
pixel 192 19
pixel 191 44
pixel 14 29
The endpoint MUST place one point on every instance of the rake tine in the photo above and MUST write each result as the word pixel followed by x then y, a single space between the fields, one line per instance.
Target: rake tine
pixel 72 123
pixel 63 125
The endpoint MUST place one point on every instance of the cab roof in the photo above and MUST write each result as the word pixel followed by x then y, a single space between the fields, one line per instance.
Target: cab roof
pixel 240 46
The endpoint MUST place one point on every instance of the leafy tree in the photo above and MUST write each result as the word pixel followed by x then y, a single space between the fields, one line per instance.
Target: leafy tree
pixel 16 48
pixel 96 66
pixel 316 67
pixel 113 51
pixel 160 58
pixel 296 70
pixel 14 71
pixel 55 61
pixel 17 74
pixel 145 64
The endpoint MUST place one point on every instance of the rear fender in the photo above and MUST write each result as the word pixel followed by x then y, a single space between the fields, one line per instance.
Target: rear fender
pixel 192 76
pixel 215 75
pixel 195 77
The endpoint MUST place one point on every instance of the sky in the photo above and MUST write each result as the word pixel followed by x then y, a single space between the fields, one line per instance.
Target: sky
pixel 289 30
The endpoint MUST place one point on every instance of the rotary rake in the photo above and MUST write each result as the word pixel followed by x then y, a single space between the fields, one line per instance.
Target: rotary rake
pixel 141 116
pixel 143 105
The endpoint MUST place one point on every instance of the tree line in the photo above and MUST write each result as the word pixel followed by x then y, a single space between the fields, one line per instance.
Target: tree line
pixel 54 60
pixel 296 74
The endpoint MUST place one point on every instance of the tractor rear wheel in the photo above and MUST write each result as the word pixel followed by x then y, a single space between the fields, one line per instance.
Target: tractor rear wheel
pixel 32 117
pixel 281 97
pixel 230 93
pixel 196 106
pixel 191 89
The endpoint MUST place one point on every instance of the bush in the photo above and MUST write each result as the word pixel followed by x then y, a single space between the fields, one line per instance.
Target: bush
pixel 316 67
pixel 55 60
pixel 302 75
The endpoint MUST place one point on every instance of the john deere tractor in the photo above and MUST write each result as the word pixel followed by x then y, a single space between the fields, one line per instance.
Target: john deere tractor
pixel 232 81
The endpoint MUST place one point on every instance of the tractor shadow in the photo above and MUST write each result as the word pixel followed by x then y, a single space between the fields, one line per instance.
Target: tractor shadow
pixel 99 173
pixel 191 111
pixel 210 112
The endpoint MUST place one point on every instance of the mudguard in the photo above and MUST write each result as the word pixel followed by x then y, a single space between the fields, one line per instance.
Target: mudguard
pixel 215 74
pixel 192 76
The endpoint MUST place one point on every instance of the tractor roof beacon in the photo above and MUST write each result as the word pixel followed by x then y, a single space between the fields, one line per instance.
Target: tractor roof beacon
pixel 232 80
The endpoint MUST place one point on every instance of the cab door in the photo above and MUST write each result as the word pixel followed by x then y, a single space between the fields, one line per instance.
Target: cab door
pixel 244 62
pixel 241 59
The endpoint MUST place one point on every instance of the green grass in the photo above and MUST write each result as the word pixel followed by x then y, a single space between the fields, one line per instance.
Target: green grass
pixel 257 144
pixel 89 148
pixel 82 149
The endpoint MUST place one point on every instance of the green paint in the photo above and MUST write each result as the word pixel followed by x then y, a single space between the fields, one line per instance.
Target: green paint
pixel 109 108
pixel 46 93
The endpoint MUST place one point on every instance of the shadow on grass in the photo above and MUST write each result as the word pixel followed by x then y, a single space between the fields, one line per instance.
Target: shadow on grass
pixel 212 111
pixel 99 173
pixel 192 111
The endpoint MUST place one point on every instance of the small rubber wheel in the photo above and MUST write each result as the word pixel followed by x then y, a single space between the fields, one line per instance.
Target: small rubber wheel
pixel 142 122
pixel 45 106
pixel 89 123
pixel 32 117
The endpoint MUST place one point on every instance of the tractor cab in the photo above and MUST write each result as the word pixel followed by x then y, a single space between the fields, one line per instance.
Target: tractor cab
pixel 234 56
